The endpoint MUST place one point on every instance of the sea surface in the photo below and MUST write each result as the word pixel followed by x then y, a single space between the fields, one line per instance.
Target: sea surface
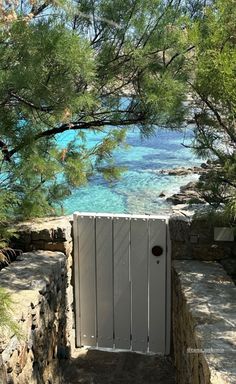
pixel 138 190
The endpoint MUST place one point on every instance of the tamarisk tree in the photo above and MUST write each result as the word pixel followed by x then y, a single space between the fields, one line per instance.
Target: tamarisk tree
pixel 68 66
pixel 213 90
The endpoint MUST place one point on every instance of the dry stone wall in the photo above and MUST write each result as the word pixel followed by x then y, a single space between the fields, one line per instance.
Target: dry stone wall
pixel 46 310
pixel 203 303
pixel 37 284
pixel 204 323
pixel 52 234
pixel 193 239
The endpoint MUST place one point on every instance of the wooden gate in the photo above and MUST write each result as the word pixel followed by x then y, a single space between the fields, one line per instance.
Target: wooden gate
pixel 122 282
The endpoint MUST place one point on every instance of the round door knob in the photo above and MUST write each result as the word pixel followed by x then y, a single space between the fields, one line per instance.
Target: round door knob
pixel 157 250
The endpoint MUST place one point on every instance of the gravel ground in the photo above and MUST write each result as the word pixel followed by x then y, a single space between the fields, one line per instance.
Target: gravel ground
pixel 98 367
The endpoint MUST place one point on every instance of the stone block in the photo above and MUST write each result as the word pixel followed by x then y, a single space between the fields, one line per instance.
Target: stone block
pixel 180 250
pixel 224 234
pixel 210 252
pixel 179 229
pixel 42 235
pixel 229 265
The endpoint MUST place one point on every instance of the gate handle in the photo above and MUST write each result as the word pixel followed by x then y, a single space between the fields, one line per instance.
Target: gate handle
pixel 157 250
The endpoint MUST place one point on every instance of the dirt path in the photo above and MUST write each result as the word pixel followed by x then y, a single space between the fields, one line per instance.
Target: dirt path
pixel 98 367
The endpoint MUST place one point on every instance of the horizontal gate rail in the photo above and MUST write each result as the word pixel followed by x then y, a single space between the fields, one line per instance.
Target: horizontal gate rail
pixel 122 282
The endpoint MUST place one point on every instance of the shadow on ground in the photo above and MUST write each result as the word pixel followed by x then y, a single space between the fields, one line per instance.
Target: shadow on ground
pixel 98 367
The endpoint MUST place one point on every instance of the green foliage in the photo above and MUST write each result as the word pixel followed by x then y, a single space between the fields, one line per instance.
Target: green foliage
pixel 68 65
pixel 7 202
pixel 7 323
pixel 213 86
pixel 215 218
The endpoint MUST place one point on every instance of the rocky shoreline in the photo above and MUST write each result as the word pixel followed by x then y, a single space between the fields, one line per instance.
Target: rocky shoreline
pixel 182 171
pixel 188 193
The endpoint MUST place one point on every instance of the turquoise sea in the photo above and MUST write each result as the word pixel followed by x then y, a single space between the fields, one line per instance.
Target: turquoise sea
pixel 139 188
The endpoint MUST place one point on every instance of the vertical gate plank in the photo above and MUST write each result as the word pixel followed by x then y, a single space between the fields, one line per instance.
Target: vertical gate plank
pixel 168 289
pixel 76 278
pixel 86 234
pixel 139 283
pixel 157 277
pixel 122 299
pixel 104 257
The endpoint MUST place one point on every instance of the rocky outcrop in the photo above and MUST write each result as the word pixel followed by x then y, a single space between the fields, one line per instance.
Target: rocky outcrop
pixel 188 195
pixel 182 171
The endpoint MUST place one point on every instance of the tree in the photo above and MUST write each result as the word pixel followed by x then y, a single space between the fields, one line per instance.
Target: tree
pixel 213 89
pixel 68 67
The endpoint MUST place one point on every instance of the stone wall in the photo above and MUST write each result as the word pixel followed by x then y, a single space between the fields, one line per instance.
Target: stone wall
pixel 194 239
pixel 37 284
pixel 204 323
pixel 53 234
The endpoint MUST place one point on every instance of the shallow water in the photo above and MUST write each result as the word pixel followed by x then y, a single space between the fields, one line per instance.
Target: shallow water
pixel 139 188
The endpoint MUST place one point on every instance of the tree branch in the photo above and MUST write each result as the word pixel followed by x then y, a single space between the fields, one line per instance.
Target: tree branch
pixel 178 54
pixel 36 11
pixel 30 104
pixel 215 112
pixel 79 126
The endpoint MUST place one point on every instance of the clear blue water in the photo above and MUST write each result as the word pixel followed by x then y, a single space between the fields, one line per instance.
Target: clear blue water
pixel 139 188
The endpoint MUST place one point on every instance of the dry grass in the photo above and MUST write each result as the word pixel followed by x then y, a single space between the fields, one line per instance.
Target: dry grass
pixel 3 258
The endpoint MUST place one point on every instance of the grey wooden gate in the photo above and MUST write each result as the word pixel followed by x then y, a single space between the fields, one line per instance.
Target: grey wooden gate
pixel 122 282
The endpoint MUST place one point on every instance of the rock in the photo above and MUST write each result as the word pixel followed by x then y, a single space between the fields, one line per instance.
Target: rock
pixel 185 197
pixel 197 170
pixel 176 199
pixel 182 171
pixel 179 172
pixel 162 194
pixel 190 186
pixel 52 234
pixel 188 195
pixel 230 267
pixel 204 166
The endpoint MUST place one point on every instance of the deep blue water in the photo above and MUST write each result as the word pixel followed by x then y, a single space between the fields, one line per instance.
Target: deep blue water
pixel 139 188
